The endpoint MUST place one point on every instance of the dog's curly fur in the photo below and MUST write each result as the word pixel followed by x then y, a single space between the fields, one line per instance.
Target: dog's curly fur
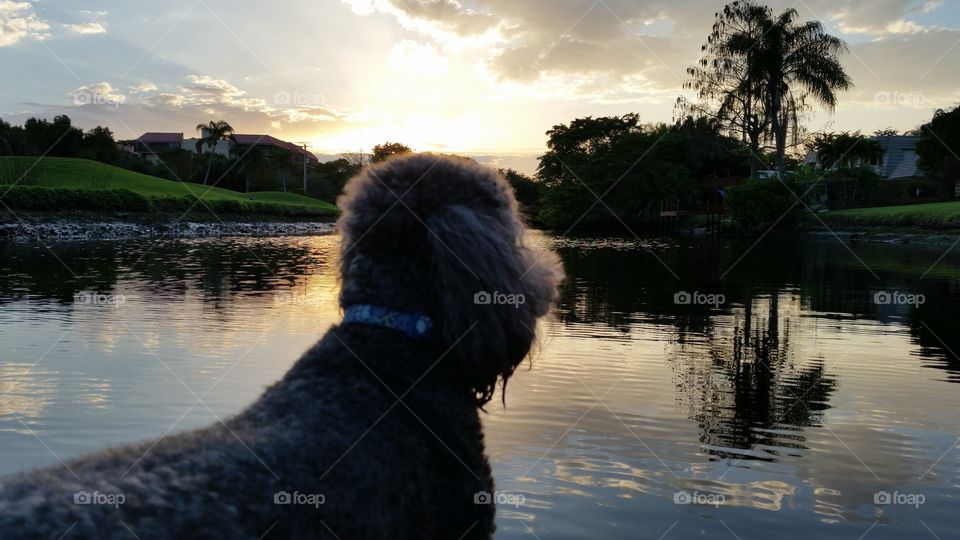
pixel 385 427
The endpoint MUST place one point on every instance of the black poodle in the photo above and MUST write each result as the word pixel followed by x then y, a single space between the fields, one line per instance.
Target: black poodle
pixel 375 431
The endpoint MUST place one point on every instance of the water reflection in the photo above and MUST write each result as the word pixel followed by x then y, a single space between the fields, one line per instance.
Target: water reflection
pixel 796 399
pixel 746 388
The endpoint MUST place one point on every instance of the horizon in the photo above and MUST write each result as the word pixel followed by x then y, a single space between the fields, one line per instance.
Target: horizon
pixel 484 78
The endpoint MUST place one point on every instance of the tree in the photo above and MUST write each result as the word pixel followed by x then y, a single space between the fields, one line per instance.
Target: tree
pixel 98 144
pixel 253 166
pixel 939 149
pixel 886 132
pixel 758 71
pixel 627 166
pixel 212 133
pixel 796 61
pixel 728 91
pixel 333 176
pixel 383 151
pixel 845 150
pixel 357 160
pixel 847 159
pixel 525 189
pixel 58 138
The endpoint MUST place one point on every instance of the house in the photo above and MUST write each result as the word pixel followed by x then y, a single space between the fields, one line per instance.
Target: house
pixel 152 143
pixel 243 143
pixel 900 160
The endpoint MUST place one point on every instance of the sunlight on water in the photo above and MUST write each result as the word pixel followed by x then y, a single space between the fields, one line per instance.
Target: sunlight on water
pixel 798 394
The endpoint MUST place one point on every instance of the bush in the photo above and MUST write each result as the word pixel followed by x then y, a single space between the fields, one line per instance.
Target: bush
pixel 760 204
pixel 58 199
pixel 44 199
pixel 856 187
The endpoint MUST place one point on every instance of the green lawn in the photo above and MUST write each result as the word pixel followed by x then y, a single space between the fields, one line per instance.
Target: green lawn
pixel 935 215
pixel 87 174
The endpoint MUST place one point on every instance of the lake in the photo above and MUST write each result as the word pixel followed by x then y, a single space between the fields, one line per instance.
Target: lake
pixel 684 387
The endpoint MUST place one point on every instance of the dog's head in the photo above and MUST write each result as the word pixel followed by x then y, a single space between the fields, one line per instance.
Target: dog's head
pixel 443 235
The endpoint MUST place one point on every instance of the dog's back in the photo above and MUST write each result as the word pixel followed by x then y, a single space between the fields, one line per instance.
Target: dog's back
pixel 343 447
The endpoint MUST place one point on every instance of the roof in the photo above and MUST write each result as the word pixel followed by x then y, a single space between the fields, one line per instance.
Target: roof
pixel 160 137
pixel 900 156
pixel 250 140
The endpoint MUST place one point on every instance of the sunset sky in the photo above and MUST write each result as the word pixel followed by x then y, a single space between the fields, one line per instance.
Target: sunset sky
pixel 479 77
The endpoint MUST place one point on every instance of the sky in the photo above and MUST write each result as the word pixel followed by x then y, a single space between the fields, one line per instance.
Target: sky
pixel 485 78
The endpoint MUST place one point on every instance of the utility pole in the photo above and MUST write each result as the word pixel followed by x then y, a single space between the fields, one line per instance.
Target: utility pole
pixel 304 166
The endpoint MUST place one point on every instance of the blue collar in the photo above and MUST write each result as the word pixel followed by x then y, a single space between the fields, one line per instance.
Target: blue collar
pixel 415 325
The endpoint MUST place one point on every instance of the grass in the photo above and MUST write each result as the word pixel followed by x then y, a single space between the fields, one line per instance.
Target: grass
pixel 942 215
pixel 83 174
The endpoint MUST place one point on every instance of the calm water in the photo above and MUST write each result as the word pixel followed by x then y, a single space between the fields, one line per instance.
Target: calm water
pixel 783 410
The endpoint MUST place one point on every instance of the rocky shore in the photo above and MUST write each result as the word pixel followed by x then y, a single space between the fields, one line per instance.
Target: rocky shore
pixel 68 230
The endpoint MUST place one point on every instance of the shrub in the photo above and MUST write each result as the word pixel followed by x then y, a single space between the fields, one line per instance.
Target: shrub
pixel 855 187
pixel 45 199
pixel 760 204
pixel 57 199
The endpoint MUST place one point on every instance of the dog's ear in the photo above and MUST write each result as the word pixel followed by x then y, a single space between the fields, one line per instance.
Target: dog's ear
pixel 492 286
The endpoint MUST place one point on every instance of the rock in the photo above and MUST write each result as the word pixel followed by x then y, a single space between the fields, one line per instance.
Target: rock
pixel 65 230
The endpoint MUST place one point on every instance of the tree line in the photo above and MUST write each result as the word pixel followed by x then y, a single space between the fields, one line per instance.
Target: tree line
pixel 255 169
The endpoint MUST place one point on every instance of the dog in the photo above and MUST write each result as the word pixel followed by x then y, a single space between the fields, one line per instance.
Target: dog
pixel 375 431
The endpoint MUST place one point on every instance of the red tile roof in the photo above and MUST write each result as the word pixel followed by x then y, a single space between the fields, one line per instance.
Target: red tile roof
pixel 160 137
pixel 267 140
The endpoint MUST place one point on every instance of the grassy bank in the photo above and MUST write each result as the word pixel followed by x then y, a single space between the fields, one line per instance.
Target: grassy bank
pixel 79 185
pixel 936 216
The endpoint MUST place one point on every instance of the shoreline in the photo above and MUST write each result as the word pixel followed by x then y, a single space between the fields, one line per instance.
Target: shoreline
pixel 889 235
pixel 64 230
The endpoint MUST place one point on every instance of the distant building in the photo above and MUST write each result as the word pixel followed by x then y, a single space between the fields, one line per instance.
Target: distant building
pixel 271 144
pixel 900 159
pixel 899 162
pixel 150 144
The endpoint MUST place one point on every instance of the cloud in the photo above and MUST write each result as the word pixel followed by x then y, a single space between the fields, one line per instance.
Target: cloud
pixel 87 28
pixel 209 95
pixel 410 54
pixel 101 93
pixel 18 22
pixel 166 100
pixel 620 51
pixel 439 16
pixel 907 70
pixel 143 88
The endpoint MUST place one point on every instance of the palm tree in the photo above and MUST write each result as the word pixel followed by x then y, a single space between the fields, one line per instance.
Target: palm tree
pixel 846 150
pixel 212 133
pixel 796 61
pixel 726 89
